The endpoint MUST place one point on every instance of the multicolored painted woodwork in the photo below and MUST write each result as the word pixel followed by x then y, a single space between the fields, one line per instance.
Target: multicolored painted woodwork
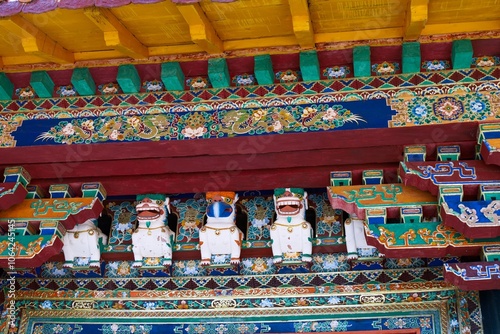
pixel 422 240
pixel 220 238
pixel 343 178
pixel 152 240
pixel 489 141
pixel 431 175
pixel 473 275
pixel 429 307
pixel 13 190
pixel 368 200
pixel 474 219
pixel 415 153
pixel 69 211
pixel 39 225
pixel 290 233
pixel 448 153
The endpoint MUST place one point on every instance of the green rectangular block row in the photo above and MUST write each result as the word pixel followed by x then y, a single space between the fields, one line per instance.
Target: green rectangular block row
pixel 82 81
pixel 361 60
pixel 218 73
pixel 411 57
pixel 6 87
pixel 128 78
pixel 461 54
pixel 172 76
pixel 263 70
pixel 42 84
pixel 309 65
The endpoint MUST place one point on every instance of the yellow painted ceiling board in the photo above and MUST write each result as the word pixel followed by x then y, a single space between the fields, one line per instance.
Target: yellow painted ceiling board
pixel 69 28
pixel 252 22
pixel 154 24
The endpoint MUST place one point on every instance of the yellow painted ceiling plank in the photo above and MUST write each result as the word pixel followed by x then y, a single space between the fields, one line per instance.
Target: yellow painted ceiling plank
pixel 416 18
pixel 116 35
pixel 36 42
pixel 97 55
pixel 360 35
pixel 201 30
pixel 21 60
pixel 439 29
pixel 301 20
pixel 267 42
pixel 174 49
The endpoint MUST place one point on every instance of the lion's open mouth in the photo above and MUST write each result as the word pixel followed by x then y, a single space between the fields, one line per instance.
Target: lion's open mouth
pixel 148 213
pixel 288 207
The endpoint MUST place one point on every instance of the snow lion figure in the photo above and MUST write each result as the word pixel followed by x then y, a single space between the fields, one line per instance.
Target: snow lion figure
pixel 220 239
pixel 152 238
pixel 291 234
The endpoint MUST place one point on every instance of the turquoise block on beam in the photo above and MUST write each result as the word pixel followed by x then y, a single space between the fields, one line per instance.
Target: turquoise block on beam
pixel 263 70
pixel 42 84
pixel 411 57
pixel 361 59
pixel 128 78
pixel 6 87
pixel 309 65
pixel 218 73
pixel 83 82
pixel 172 76
pixel 461 54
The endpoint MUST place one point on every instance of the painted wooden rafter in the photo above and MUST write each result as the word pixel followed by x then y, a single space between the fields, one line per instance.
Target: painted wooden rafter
pixel 416 18
pixel 302 26
pixel 201 30
pixel 116 35
pixel 36 42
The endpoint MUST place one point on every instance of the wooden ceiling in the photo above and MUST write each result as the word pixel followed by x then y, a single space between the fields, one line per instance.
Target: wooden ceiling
pixel 165 30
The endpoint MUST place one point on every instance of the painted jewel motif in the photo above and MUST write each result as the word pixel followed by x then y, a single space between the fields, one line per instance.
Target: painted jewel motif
pixel 448 108
pixel 436 65
pixel 288 76
pixel 197 83
pixel 486 61
pixel 244 80
pixel 438 109
pixel 109 88
pixel 336 72
pixel 153 86
pixel 65 91
pixel 385 68
pixel 25 93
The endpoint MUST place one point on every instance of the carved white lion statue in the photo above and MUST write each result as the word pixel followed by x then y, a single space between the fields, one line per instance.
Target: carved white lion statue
pixel 220 239
pixel 83 241
pixel 291 234
pixel 355 238
pixel 152 236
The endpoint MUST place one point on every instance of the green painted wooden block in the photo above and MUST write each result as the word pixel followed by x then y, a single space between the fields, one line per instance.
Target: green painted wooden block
pixel 172 76
pixel 218 73
pixel 263 70
pixel 361 60
pixel 83 82
pixel 309 65
pixel 128 78
pixel 411 57
pixel 461 54
pixel 6 87
pixel 42 84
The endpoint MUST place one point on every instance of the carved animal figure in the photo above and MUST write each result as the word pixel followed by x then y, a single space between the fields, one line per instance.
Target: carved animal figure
pixel 219 237
pixel 291 234
pixel 84 240
pixel 152 237
pixel 355 238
